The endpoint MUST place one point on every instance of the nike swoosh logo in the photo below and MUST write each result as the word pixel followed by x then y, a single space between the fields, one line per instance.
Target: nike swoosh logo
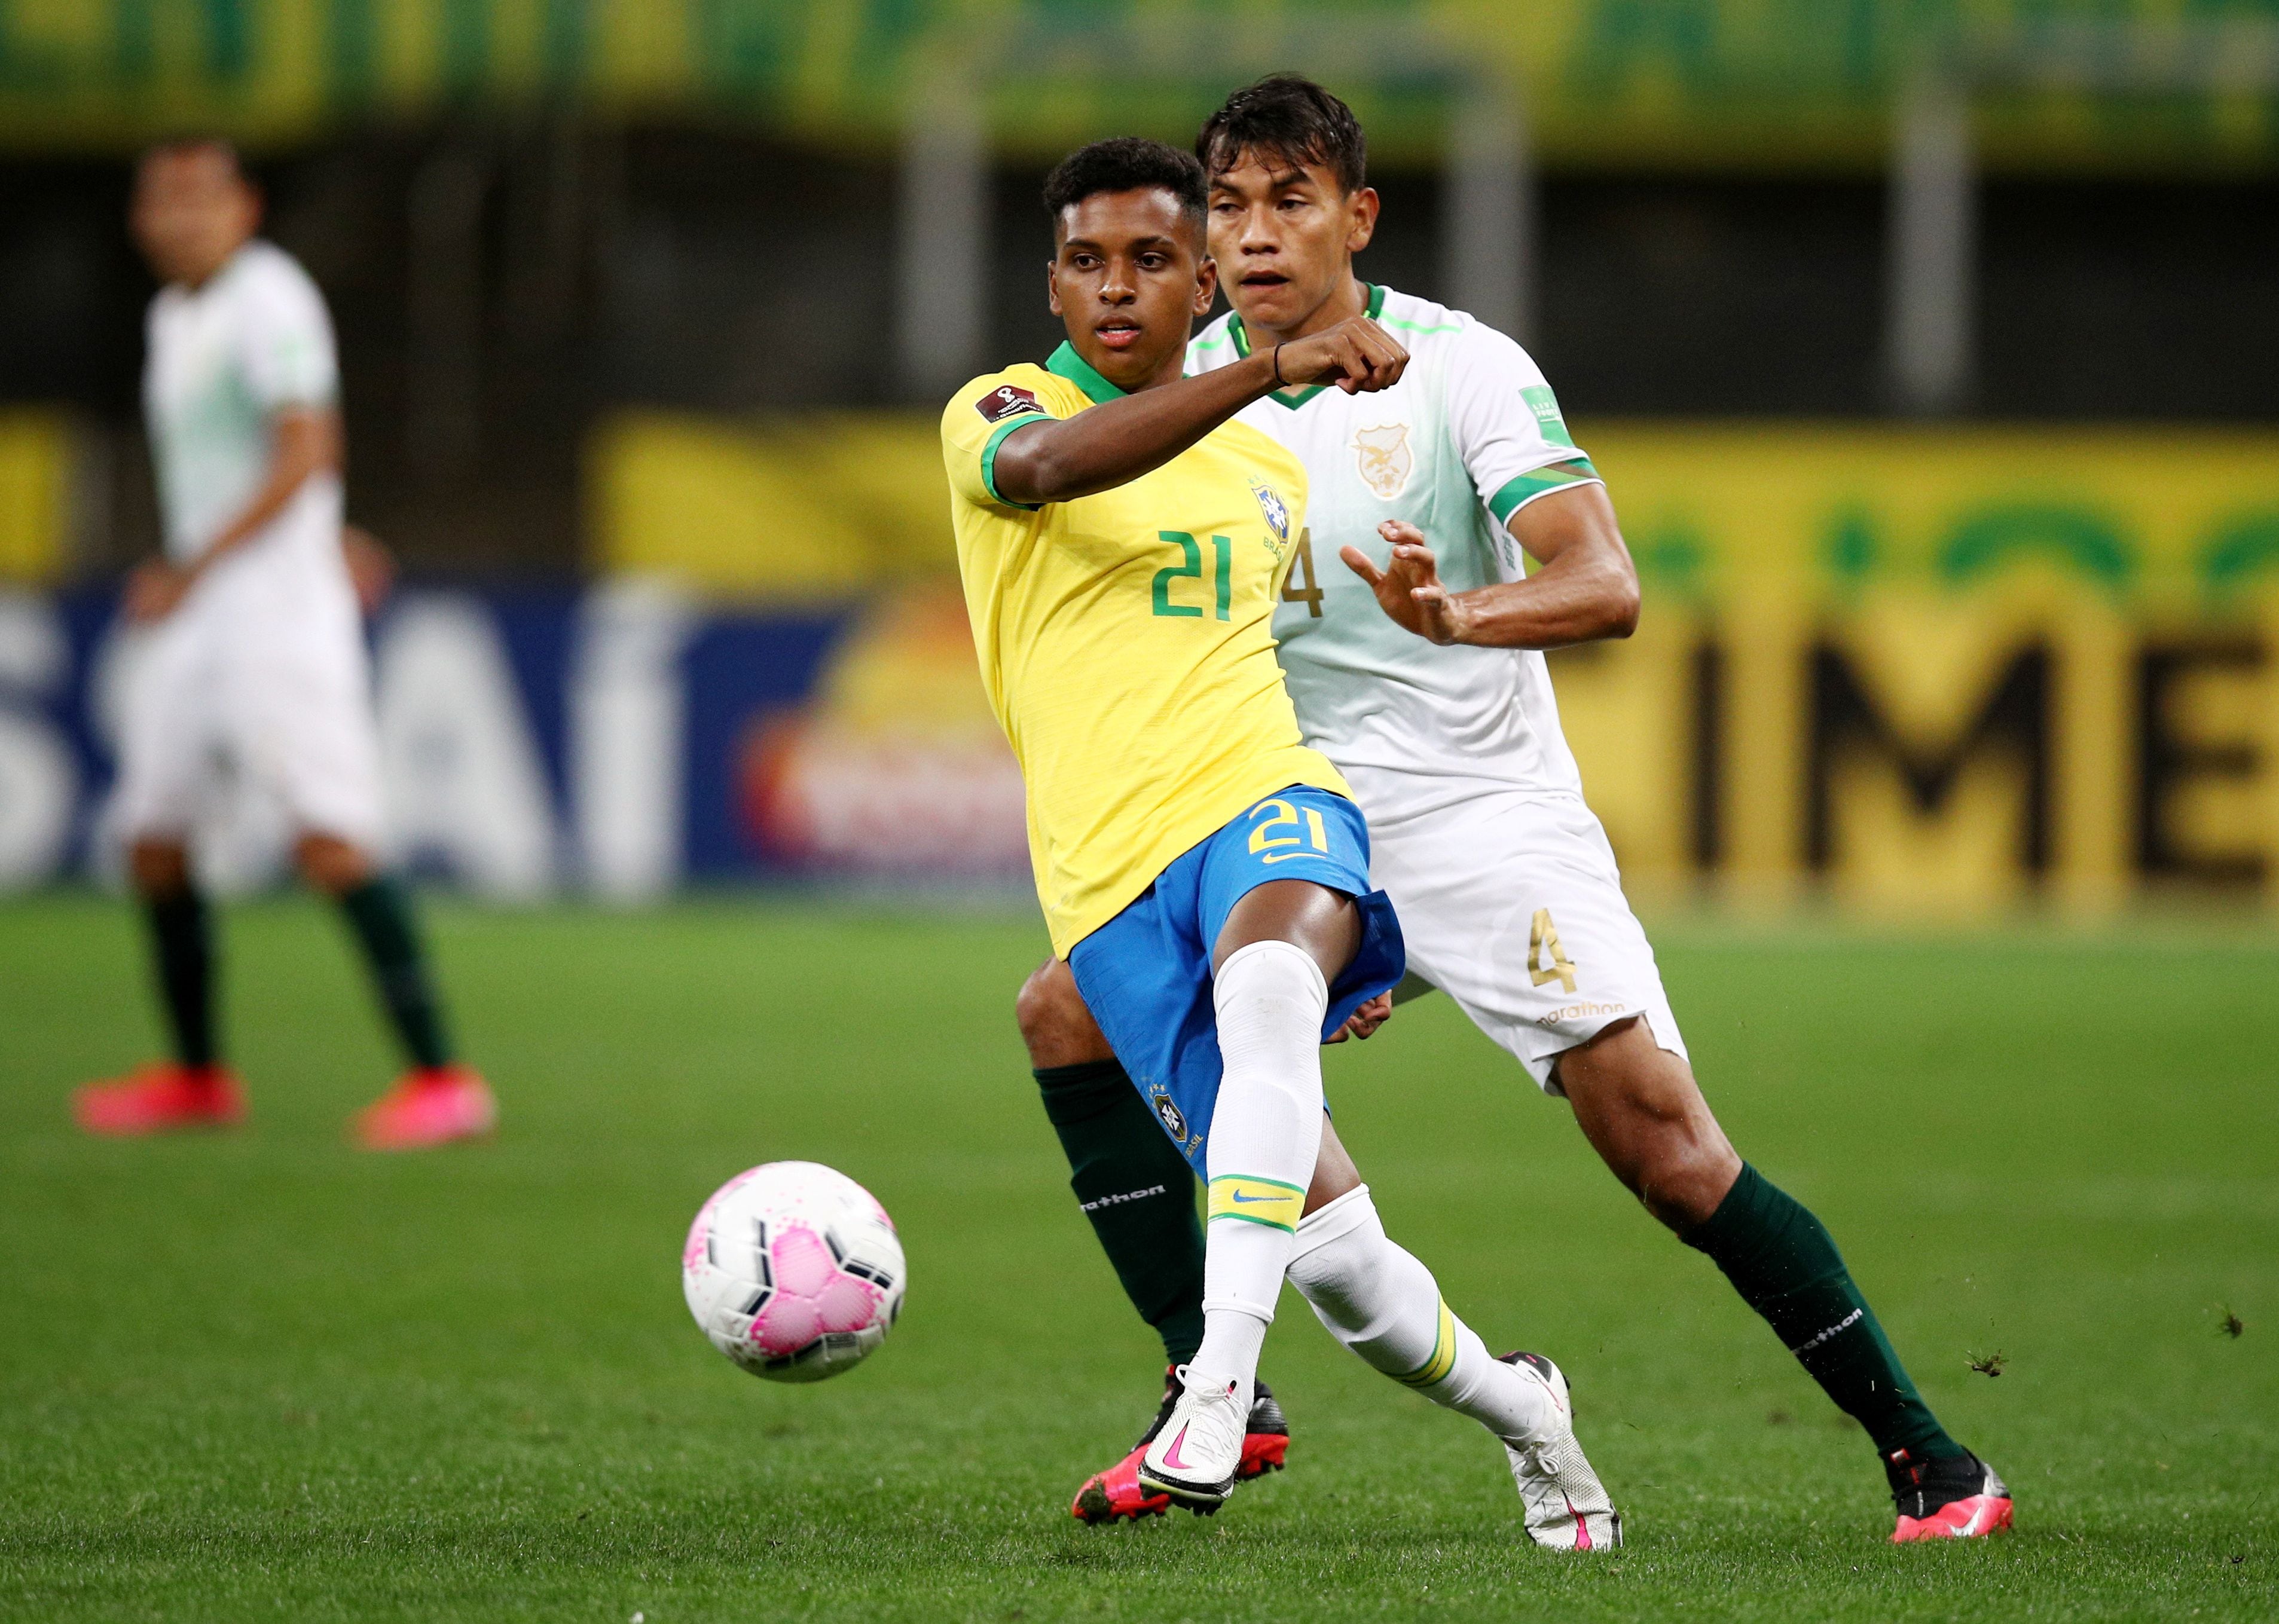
pixel 1286 856
pixel 1241 1200
pixel 1172 1455
pixel 1582 1525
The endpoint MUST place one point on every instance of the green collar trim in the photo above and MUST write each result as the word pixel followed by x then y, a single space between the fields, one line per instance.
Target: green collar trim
pixel 1081 372
pixel 1294 398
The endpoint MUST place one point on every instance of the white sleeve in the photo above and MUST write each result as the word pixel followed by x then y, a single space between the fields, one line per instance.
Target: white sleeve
pixel 285 339
pixel 1506 425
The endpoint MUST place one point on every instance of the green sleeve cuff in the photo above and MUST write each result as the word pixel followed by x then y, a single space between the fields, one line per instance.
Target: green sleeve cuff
pixel 1542 482
pixel 989 458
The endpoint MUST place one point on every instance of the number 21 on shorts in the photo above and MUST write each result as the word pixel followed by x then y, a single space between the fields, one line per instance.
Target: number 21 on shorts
pixel 1268 845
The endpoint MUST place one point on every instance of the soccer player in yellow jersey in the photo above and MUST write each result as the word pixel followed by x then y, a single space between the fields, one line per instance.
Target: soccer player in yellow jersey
pixel 1204 873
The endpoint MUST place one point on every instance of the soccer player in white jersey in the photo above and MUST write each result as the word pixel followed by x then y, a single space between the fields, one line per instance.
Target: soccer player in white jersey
pixel 256 653
pixel 1416 665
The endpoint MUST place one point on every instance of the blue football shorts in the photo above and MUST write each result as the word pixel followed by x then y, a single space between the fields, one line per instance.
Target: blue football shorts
pixel 1147 973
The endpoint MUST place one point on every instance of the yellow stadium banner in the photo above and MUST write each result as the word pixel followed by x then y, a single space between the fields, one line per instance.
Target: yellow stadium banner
pixel 1780 84
pixel 34 496
pixel 1922 671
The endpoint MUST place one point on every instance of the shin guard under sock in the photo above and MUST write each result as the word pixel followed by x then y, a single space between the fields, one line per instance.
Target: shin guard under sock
pixel 1378 1300
pixel 181 945
pixel 1265 1132
pixel 381 913
pixel 1132 1182
pixel 1785 1266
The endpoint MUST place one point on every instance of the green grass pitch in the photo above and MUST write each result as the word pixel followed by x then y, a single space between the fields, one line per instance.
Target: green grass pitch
pixel 263 1375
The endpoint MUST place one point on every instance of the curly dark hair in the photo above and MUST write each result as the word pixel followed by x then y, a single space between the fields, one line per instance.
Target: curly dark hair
pixel 1288 117
pixel 1127 164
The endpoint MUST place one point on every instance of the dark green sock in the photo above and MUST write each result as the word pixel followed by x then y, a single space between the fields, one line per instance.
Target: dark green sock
pixel 181 940
pixel 1139 1192
pixel 381 915
pixel 1782 1261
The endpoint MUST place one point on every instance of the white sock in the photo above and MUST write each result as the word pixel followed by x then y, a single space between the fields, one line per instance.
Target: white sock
pixel 1384 1305
pixel 1266 1130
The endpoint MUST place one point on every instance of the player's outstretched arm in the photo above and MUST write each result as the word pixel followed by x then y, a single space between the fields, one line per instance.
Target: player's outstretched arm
pixel 1587 590
pixel 1112 444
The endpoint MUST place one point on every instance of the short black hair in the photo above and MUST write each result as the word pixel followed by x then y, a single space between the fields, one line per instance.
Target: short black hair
pixel 196 141
pixel 1128 164
pixel 1289 117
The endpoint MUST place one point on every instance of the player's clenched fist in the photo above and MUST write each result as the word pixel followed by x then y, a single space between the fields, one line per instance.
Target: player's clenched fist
pixel 1409 588
pixel 1356 355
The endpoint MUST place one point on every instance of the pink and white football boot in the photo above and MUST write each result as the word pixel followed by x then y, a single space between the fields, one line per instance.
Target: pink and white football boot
pixel 159 1098
pixel 1196 1455
pixel 428 1105
pixel 1947 1496
pixel 1115 1494
pixel 1565 1505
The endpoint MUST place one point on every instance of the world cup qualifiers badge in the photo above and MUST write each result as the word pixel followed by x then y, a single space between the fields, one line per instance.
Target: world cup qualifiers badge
pixel 1006 401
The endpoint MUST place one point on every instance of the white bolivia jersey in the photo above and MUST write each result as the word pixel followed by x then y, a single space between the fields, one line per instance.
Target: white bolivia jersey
pixel 223 360
pixel 263 663
pixel 1470 434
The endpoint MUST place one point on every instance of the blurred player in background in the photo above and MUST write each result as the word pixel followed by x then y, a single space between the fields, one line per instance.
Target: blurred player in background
pixel 1205 876
pixel 1419 673
pixel 256 651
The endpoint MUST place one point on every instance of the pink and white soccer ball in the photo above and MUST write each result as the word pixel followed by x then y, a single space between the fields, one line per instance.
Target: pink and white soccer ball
pixel 794 1271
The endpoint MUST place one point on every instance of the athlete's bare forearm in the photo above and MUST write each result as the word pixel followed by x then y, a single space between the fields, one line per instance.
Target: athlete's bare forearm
pixel 1587 590
pixel 1576 598
pixel 1059 459
pixel 307 442
pixel 1114 443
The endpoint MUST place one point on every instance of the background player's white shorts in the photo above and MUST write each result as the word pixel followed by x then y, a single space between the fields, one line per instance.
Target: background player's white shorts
pixel 1512 904
pixel 292 713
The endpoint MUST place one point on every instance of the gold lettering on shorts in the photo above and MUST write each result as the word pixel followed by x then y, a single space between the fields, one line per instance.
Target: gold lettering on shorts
pixel 1546 960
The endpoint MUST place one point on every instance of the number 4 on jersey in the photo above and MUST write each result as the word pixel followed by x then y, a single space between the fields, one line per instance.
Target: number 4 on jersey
pixel 1546 960
pixel 1299 587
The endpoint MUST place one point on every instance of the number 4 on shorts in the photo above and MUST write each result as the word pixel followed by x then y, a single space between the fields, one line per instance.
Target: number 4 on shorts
pixel 1542 946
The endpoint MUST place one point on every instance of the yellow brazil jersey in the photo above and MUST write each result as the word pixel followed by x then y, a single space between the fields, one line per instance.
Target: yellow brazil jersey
pixel 1126 641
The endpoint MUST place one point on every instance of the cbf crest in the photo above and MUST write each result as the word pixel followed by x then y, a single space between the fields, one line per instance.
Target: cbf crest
pixel 1277 514
pixel 1174 1120
pixel 1383 459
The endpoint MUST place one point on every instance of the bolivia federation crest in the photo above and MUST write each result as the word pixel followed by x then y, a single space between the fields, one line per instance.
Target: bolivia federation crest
pixel 1383 456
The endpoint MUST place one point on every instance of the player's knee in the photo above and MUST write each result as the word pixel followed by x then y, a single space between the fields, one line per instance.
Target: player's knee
pixel 1055 1026
pixel 159 868
pixel 1646 1117
pixel 331 864
pixel 1683 1171
pixel 1322 921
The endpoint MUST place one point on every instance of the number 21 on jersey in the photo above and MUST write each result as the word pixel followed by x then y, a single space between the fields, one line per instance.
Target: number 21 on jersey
pixel 1192 568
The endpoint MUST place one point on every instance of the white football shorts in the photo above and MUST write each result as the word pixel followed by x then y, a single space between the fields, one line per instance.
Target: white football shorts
pixel 1512 904
pixel 292 713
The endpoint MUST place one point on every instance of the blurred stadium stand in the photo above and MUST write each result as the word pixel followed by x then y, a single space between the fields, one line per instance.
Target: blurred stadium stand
pixel 1861 303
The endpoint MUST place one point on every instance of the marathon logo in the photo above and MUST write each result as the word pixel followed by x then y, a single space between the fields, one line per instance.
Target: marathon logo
pixel 1833 1331
pixel 1116 1200
pixel 1006 401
